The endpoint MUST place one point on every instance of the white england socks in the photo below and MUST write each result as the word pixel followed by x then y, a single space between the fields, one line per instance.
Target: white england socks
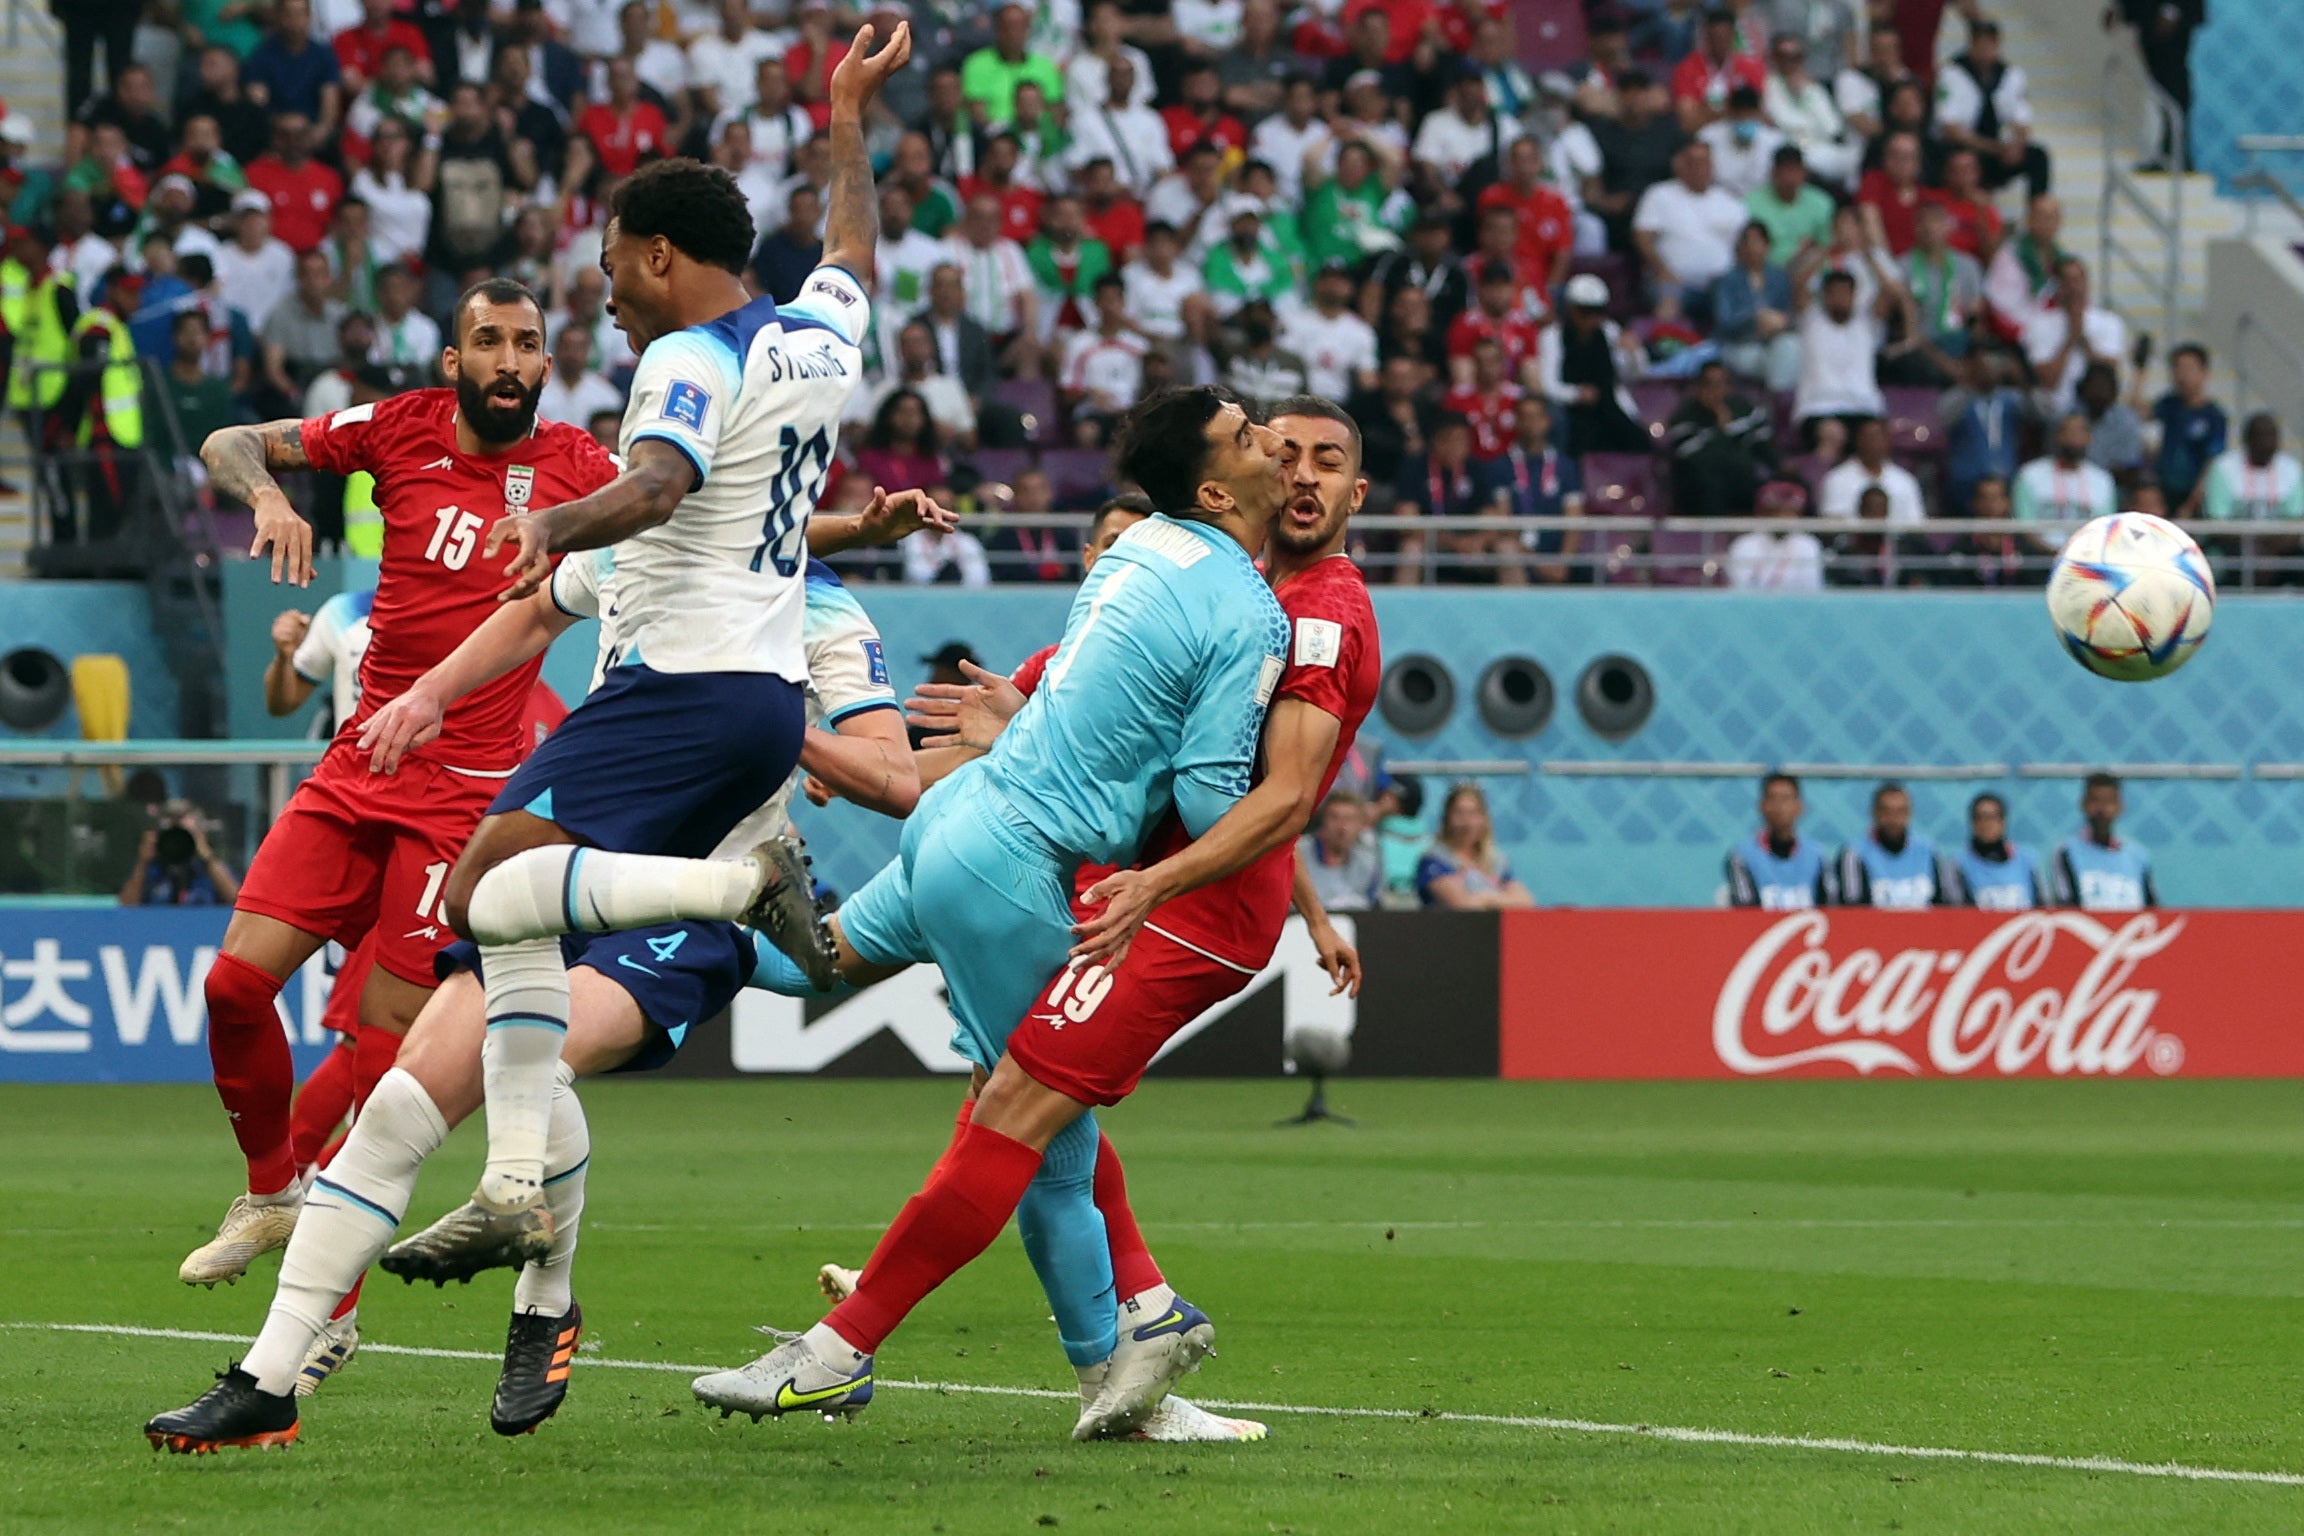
pixel 566 889
pixel 543 1287
pixel 348 1218
pixel 527 988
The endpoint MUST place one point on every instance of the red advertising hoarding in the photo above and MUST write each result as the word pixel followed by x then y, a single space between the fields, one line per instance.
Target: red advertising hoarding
pixel 1848 992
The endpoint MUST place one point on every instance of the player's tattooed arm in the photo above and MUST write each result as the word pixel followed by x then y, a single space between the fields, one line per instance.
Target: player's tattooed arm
pixel 656 476
pixel 241 461
pixel 852 211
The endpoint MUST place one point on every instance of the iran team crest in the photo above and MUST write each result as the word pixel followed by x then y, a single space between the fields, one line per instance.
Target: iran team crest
pixel 519 485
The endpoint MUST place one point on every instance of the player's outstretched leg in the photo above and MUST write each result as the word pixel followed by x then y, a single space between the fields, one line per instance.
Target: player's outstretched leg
pixel 547 1324
pixel 255 1078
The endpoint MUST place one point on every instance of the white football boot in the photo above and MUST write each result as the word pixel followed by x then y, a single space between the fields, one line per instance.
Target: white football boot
pixel 253 1224
pixel 790 1378
pixel 332 1349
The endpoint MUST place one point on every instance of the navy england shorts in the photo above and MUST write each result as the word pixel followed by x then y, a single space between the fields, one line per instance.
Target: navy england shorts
pixel 679 974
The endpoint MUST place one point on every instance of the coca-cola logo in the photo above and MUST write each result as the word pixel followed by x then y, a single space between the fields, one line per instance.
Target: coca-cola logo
pixel 1996 1008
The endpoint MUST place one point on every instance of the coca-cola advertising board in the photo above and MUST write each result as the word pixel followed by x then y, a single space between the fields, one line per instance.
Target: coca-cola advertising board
pixel 1842 992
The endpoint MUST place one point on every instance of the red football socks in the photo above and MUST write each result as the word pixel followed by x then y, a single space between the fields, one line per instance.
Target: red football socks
pixel 952 1220
pixel 255 1075
pixel 373 1052
pixel 321 1105
pixel 1133 1272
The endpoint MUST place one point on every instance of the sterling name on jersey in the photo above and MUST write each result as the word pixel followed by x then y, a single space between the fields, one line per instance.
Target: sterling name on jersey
pixel 753 400
pixel 1155 698
pixel 847 663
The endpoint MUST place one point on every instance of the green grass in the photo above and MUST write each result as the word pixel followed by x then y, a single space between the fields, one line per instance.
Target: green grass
pixel 2082 1269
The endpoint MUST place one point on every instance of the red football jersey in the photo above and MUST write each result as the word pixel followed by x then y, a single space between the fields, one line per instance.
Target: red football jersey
pixel 432 588
pixel 1334 664
pixel 1547 226
pixel 1490 415
pixel 1515 332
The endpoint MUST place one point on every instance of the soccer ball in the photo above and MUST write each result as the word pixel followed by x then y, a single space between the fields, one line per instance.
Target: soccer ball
pixel 2131 596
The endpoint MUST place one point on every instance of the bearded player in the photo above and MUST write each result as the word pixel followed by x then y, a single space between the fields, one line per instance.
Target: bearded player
pixel 354 851
pixel 1204 947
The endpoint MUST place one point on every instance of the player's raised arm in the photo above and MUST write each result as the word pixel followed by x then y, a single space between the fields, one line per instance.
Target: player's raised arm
pixel 510 636
pixel 657 474
pixel 852 212
pixel 888 518
pixel 240 463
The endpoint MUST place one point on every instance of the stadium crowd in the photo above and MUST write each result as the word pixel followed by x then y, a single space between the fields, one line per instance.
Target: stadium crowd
pixel 1767 259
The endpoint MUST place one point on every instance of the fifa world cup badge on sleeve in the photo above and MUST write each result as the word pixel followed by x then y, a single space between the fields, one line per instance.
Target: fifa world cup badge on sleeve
pixel 1268 679
pixel 876 663
pixel 1319 642
pixel 686 404
pixel 519 485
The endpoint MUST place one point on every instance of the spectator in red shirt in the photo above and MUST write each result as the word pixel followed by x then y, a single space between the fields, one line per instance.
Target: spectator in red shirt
pixel 624 130
pixel 811 60
pixel 1500 246
pixel 1495 316
pixel 360 49
pixel 996 178
pixel 1890 196
pixel 1113 216
pixel 304 192
pixel 1701 81
pixel 1488 402
pixel 1546 225
pixel 1202 118
pixel 1976 226
pixel 1409 18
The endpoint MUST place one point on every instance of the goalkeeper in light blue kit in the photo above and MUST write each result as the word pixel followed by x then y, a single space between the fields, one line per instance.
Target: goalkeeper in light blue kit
pixel 1154 702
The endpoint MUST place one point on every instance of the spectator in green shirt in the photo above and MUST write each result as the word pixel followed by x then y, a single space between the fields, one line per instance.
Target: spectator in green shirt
pixel 1793 210
pixel 1351 217
pixel 202 403
pixel 1065 262
pixel 1239 272
pixel 989 76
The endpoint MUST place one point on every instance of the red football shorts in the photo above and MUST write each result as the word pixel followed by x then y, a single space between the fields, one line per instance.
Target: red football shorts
pixel 343 1012
pixel 356 850
pixel 1093 1032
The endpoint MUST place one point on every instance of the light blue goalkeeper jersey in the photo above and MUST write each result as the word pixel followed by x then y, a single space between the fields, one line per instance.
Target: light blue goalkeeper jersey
pixel 1156 697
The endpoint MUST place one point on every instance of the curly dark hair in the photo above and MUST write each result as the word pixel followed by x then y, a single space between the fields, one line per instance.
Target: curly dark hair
pixel 696 207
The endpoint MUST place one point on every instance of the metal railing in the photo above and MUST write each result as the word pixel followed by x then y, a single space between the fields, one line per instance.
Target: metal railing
pixel 1693 551
pixel 2260 181
pixel 2157 263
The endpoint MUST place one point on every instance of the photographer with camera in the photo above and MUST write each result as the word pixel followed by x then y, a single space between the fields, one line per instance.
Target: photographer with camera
pixel 175 867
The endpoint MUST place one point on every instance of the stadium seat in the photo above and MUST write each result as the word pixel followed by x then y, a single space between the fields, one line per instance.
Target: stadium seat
pixel 1074 474
pixel 1913 430
pixel 1699 556
pixel 1808 469
pixel 1622 485
pixel 100 691
pixel 1653 402
pixel 1001 464
pixel 1035 400
pixel 1550 35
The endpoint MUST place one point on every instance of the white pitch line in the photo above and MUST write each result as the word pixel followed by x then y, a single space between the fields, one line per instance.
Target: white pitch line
pixel 1675 1434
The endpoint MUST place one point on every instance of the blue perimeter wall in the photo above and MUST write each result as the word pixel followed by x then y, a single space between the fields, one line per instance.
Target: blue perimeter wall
pixel 1853 678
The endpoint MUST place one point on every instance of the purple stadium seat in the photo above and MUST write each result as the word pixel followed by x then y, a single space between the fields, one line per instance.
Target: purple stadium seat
pixel 1073 473
pixel 1550 34
pixel 1001 464
pixel 1913 430
pixel 1035 399
pixel 1693 551
pixel 1808 469
pixel 1622 485
pixel 1654 400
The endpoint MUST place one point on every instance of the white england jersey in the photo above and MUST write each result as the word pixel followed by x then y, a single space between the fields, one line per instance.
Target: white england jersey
pixel 847 664
pixel 753 400
pixel 331 650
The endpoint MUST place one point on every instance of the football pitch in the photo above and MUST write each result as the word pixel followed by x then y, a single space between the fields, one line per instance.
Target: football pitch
pixel 1766 1307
